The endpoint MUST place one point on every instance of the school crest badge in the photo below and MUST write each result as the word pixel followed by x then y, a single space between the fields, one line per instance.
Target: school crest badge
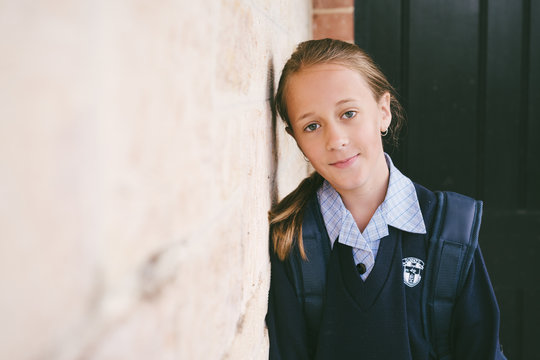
pixel 412 271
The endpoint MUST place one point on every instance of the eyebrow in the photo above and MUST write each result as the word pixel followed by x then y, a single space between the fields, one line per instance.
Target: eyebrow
pixel 345 101
pixel 340 102
pixel 304 116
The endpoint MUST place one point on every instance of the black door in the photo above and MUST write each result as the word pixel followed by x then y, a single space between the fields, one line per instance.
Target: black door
pixel 468 73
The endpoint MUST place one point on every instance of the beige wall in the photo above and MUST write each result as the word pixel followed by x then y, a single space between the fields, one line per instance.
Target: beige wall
pixel 136 171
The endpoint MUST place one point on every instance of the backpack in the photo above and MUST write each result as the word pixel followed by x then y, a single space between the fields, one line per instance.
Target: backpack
pixel 453 242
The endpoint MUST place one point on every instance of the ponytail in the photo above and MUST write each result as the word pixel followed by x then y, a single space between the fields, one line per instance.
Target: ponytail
pixel 286 217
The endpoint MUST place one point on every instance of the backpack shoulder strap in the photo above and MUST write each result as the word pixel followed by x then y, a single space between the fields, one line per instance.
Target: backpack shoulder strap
pixel 453 241
pixel 311 273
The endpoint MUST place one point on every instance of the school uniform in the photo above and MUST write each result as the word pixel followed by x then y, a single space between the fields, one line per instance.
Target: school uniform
pixel 372 308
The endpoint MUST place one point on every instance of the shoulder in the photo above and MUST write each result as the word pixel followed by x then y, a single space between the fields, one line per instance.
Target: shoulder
pixel 312 205
pixel 286 216
pixel 427 200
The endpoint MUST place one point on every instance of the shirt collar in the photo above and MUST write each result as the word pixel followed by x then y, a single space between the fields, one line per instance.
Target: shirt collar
pixel 399 209
pixel 332 208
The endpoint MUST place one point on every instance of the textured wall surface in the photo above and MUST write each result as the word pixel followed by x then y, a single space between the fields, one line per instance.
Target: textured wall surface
pixel 136 172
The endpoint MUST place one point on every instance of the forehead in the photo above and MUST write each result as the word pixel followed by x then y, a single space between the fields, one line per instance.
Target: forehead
pixel 325 84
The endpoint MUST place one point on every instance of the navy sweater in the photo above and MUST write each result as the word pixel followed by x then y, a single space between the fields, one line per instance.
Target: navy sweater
pixel 381 317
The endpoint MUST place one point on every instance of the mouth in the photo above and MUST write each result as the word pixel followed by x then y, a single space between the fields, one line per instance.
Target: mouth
pixel 345 162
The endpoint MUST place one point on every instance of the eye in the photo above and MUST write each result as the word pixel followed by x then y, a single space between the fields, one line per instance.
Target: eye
pixel 312 127
pixel 349 114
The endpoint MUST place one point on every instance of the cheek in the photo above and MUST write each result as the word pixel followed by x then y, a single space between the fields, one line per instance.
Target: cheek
pixel 369 132
pixel 371 140
pixel 313 150
pixel 307 147
pixel 301 143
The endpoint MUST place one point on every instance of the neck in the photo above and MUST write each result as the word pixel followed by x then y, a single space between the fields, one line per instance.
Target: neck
pixel 363 202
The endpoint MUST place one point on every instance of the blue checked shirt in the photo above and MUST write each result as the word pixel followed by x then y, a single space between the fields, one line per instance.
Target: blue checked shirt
pixel 399 209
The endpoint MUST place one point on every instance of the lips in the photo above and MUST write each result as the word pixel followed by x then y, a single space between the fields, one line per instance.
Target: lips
pixel 345 163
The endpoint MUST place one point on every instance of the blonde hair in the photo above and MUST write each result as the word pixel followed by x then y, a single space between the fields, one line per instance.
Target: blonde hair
pixel 286 217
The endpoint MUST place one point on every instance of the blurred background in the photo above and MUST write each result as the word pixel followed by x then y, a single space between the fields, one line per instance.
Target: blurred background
pixel 139 157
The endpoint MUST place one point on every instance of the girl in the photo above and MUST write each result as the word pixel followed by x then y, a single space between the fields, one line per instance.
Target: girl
pixel 339 107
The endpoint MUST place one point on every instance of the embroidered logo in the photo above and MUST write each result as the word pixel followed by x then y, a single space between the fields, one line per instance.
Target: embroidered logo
pixel 412 271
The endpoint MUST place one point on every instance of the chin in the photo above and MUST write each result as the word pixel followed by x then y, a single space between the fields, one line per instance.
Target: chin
pixel 347 185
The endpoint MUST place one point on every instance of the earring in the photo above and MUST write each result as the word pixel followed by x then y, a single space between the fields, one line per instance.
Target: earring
pixel 384 133
pixel 305 158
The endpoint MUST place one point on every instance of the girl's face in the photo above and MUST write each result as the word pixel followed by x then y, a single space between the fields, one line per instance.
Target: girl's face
pixel 337 123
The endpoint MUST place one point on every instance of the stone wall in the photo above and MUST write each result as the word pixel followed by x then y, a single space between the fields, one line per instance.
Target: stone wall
pixel 136 172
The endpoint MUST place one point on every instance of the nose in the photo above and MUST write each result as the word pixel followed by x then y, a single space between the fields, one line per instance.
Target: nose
pixel 336 137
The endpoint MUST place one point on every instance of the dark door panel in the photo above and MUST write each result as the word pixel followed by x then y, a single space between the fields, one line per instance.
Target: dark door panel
pixel 442 94
pixel 504 125
pixel 532 136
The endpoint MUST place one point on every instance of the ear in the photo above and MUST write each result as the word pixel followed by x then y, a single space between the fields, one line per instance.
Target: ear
pixel 385 111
